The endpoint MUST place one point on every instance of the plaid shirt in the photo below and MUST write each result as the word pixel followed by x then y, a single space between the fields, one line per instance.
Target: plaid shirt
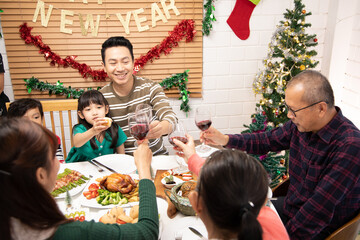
pixel 324 169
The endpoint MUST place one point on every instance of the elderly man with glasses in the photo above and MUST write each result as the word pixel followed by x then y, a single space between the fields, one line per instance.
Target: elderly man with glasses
pixel 324 159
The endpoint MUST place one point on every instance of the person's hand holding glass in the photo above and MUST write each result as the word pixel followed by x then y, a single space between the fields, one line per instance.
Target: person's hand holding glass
pixel 203 122
pixel 138 126
pixel 179 133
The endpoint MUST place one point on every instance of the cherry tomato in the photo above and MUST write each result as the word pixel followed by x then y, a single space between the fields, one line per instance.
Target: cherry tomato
pixel 119 221
pixel 93 194
pixel 93 187
pixel 82 218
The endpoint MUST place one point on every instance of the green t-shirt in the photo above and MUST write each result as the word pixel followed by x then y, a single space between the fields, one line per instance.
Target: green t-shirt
pixel 86 153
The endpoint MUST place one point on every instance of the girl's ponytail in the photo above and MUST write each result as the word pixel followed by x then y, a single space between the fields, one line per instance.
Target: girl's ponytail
pixel 250 228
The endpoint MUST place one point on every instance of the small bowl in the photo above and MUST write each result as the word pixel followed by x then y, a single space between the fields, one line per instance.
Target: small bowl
pixel 170 185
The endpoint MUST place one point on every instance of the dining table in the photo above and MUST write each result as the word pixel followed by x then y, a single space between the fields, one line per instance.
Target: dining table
pixel 175 227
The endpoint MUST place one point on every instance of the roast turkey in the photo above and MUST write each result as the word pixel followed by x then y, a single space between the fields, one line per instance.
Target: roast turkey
pixel 117 182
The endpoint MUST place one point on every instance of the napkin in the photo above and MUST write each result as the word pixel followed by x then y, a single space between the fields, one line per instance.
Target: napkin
pixel 205 154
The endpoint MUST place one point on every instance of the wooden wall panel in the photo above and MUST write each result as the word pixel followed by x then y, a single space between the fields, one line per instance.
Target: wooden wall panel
pixel 25 61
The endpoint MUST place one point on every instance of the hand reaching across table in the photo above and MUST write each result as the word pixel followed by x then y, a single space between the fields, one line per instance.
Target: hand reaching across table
pixel 143 156
pixel 214 137
pixel 158 129
pixel 185 150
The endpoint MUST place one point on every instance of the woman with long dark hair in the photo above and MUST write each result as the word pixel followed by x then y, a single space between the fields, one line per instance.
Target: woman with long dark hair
pixel 28 172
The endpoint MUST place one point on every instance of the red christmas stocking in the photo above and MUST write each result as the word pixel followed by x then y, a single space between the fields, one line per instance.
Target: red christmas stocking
pixel 240 17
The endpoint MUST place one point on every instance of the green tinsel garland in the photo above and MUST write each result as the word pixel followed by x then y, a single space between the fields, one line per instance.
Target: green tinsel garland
pixel 208 18
pixel 179 80
pixel 176 80
pixel 57 89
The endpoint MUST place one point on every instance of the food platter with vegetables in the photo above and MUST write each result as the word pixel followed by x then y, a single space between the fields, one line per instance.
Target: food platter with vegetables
pixel 115 193
pixel 70 180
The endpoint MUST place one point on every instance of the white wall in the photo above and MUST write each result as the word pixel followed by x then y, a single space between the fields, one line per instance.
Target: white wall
pixel 344 72
pixel 230 64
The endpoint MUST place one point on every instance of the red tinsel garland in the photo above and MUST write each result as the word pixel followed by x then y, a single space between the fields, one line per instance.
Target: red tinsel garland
pixel 84 70
pixel 183 29
pixel 186 28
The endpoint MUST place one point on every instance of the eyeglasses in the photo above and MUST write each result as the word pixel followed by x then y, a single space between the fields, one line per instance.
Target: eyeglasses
pixel 294 111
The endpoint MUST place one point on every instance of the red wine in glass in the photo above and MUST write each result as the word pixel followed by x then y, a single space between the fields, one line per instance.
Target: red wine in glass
pixel 204 125
pixel 182 139
pixel 203 122
pixel 139 131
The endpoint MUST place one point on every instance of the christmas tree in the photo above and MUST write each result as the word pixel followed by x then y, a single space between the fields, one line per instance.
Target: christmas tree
pixel 289 54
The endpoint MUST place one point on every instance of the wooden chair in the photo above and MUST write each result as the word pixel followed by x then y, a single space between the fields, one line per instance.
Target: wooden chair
pixel 348 231
pixel 52 106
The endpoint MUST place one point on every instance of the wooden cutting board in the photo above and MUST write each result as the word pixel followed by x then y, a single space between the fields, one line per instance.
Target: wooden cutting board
pixel 158 185
pixel 160 192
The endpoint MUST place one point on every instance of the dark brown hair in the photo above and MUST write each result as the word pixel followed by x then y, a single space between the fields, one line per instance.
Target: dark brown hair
pixel 26 146
pixel 234 187
pixel 117 41
pixel 19 107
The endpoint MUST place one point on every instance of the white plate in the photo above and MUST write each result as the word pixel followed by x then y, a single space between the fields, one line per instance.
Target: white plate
pixel 176 180
pixel 94 204
pixel 75 190
pixel 121 163
pixel 179 226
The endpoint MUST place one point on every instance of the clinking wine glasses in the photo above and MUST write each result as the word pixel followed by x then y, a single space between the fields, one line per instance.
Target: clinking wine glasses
pixel 179 133
pixel 144 108
pixel 138 125
pixel 203 122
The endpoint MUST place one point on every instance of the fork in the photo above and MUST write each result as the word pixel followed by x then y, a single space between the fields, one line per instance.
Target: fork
pixel 98 168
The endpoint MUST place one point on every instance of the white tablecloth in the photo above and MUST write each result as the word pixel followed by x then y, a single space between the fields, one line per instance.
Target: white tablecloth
pixel 168 227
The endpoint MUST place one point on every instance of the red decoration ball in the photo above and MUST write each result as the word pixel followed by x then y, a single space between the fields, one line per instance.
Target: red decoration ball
pixel 284 177
pixel 315 39
pixel 264 113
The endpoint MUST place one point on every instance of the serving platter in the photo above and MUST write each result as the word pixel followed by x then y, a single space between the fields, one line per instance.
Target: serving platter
pixel 76 190
pixel 92 203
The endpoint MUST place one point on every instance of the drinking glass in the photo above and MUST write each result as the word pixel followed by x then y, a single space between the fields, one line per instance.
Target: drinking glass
pixel 179 133
pixel 203 122
pixel 138 126
pixel 144 108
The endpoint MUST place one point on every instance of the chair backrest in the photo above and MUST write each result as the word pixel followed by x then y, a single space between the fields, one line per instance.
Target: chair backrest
pixel 52 106
pixel 348 231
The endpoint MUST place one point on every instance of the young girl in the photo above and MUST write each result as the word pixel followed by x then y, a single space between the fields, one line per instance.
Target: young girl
pixel 234 175
pixel 93 137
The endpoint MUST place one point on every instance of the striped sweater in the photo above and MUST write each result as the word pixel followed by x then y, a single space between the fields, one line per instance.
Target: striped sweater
pixel 143 91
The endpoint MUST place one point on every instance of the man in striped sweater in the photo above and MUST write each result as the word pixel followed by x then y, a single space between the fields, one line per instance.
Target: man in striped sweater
pixel 126 91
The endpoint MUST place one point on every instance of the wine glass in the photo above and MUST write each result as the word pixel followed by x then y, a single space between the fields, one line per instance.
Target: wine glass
pixel 138 126
pixel 179 133
pixel 144 108
pixel 203 122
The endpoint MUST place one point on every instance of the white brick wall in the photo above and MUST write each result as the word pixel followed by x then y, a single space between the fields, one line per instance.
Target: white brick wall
pixel 230 64
pixel 351 92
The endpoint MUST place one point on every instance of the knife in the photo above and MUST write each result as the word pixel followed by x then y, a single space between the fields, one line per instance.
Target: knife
pixel 197 233
pixel 99 163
